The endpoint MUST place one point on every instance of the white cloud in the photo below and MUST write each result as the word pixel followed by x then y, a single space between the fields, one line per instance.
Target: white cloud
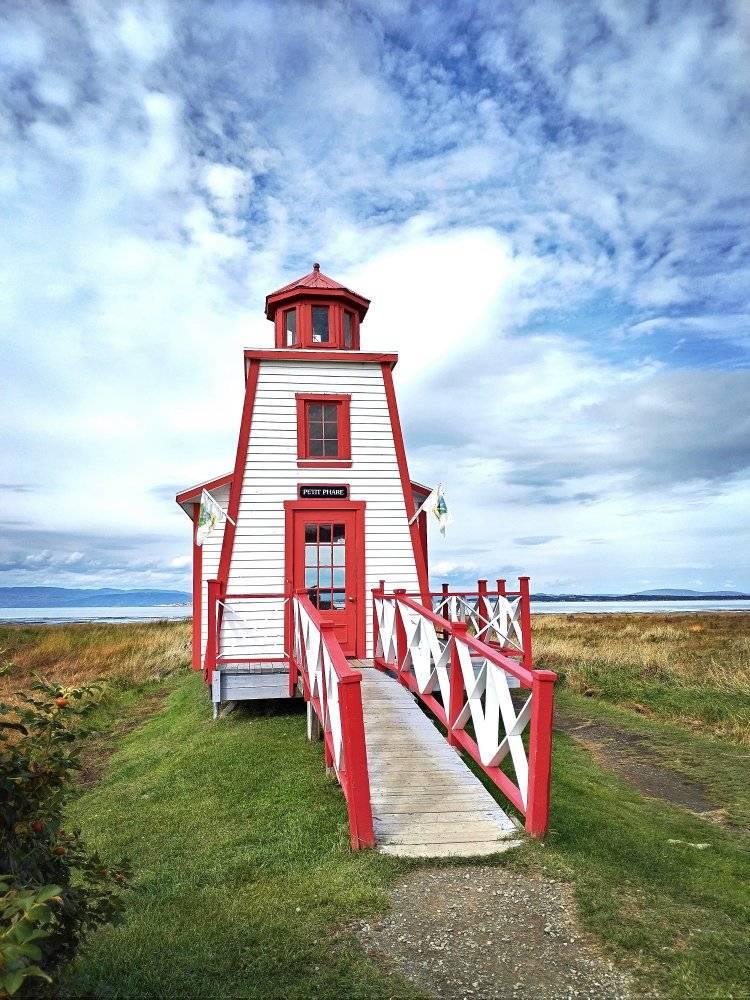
pixel 585 171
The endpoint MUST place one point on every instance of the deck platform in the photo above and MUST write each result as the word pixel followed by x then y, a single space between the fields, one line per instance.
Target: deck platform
pixel 236 681
pixel 426 802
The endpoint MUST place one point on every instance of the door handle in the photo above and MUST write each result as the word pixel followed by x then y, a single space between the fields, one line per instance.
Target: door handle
pixel 351 599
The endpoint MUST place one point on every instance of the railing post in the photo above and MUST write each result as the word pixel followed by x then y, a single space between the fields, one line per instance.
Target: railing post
pixel 290 630
pixel 401 648
pixel 377 594
pixel 523 585
pixel 540 752
pixel 212 644
pixel 326 629
pixel 501 587
pixel 456 700
pixel 355 763
pixel 445 607
pixel 482 611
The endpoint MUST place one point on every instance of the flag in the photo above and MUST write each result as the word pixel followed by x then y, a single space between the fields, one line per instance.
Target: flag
pixel 440 510
pixel 211 514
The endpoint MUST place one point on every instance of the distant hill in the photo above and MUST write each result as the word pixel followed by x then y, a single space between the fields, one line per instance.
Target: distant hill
pixel 650 595
pixel 104 597
pixel 688 593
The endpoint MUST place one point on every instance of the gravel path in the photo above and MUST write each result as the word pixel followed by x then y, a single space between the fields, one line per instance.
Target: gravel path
pixel 485 933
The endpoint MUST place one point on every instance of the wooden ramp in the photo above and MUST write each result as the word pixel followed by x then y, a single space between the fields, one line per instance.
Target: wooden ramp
pixel 426 803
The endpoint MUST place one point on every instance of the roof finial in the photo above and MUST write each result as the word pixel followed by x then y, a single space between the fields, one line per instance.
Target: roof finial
pixel 316 267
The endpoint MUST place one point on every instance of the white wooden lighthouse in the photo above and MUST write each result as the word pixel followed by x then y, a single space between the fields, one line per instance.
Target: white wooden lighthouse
pixel 316 586
pixel 320 497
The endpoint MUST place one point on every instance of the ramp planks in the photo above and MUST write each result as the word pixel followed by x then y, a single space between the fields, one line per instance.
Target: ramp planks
pixel 426 802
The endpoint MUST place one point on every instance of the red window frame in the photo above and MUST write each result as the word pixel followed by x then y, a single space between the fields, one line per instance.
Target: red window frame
pixel 343 405
pixel 296 341
pixel 336 321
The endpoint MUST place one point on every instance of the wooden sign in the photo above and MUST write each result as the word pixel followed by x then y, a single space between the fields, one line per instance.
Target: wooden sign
pixel 334 491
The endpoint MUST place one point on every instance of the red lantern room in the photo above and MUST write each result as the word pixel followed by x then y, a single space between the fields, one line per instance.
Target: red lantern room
pixel 316 312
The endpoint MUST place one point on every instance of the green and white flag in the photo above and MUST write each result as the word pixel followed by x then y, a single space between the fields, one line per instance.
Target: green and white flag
pixel 435 501
pixel 211 514
pixel 440 510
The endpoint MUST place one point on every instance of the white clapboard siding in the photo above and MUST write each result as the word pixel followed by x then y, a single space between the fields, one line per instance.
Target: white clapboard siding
pixel 211 554
pixel 271 476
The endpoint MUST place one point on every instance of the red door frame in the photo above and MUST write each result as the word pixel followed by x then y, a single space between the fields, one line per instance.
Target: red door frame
pixel 357 507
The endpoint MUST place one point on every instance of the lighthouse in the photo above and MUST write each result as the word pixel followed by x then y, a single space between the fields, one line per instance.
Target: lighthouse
pixel 319 500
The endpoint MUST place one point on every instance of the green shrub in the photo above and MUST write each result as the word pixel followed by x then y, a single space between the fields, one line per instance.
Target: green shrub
pixel 53 889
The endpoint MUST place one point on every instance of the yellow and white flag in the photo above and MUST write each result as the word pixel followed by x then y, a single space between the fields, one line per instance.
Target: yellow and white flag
pixel 211 514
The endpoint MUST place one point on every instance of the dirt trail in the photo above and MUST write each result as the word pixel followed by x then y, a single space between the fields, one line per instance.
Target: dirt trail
pixel 485 933
pixel 623 752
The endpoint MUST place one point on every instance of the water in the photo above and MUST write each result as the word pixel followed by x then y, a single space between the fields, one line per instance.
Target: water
pixel 667 606
pixel 49 616
pixel 175 612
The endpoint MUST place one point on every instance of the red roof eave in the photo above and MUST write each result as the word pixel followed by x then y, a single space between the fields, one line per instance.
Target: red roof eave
pixel 318 354
pixel 193 493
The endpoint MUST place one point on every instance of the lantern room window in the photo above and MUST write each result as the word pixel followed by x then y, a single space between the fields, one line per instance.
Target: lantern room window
pixel 320 328
pixel 348 329
pixel 323 431
pixel 290 327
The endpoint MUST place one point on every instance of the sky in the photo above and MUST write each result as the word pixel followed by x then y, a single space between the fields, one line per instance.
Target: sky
pixel 547 202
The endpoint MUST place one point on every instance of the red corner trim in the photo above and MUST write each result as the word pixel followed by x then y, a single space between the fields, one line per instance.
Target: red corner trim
pixel 227 544
pixel 398 440
pixel 197 589
pixel 316 354
pixel 195 491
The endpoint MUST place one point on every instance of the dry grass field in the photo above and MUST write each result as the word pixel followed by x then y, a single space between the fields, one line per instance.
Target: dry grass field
pixel 693 669
pixel 121 654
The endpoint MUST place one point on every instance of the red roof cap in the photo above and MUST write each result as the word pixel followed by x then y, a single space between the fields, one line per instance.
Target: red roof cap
pixel 318 284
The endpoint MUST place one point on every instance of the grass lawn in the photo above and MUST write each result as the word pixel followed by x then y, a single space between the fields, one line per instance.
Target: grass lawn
pixel 244 873
pixel 244 882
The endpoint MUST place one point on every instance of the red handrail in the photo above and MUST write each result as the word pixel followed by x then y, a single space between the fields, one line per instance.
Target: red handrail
pixel 354 776
pixel 541 683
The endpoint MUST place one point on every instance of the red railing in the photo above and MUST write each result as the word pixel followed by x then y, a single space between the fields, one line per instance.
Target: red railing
pixel 244 641
pixel 333 690
pixel 463 681
pixel 500 617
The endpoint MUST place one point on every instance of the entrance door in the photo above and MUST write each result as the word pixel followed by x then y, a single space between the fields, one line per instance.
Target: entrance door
pixel 326 565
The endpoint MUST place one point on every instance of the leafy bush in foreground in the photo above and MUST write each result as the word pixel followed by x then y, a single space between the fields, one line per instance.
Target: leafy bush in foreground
pixel 53 889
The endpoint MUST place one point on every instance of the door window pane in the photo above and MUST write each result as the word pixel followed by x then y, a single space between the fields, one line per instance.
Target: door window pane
pixel 320 324
pixel 325 545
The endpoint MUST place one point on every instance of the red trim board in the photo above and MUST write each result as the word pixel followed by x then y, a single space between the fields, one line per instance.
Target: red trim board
pixel 230 528
pixel 197 589
pixel 398 441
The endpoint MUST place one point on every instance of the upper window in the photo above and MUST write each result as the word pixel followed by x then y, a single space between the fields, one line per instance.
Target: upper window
pixel 290 327
pixel 348 328
pixel 320 330
pixel 323 433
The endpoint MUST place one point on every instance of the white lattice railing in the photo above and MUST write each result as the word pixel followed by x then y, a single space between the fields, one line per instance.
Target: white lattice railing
pixel 464 681
pixel 244 628
pixel 332 688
